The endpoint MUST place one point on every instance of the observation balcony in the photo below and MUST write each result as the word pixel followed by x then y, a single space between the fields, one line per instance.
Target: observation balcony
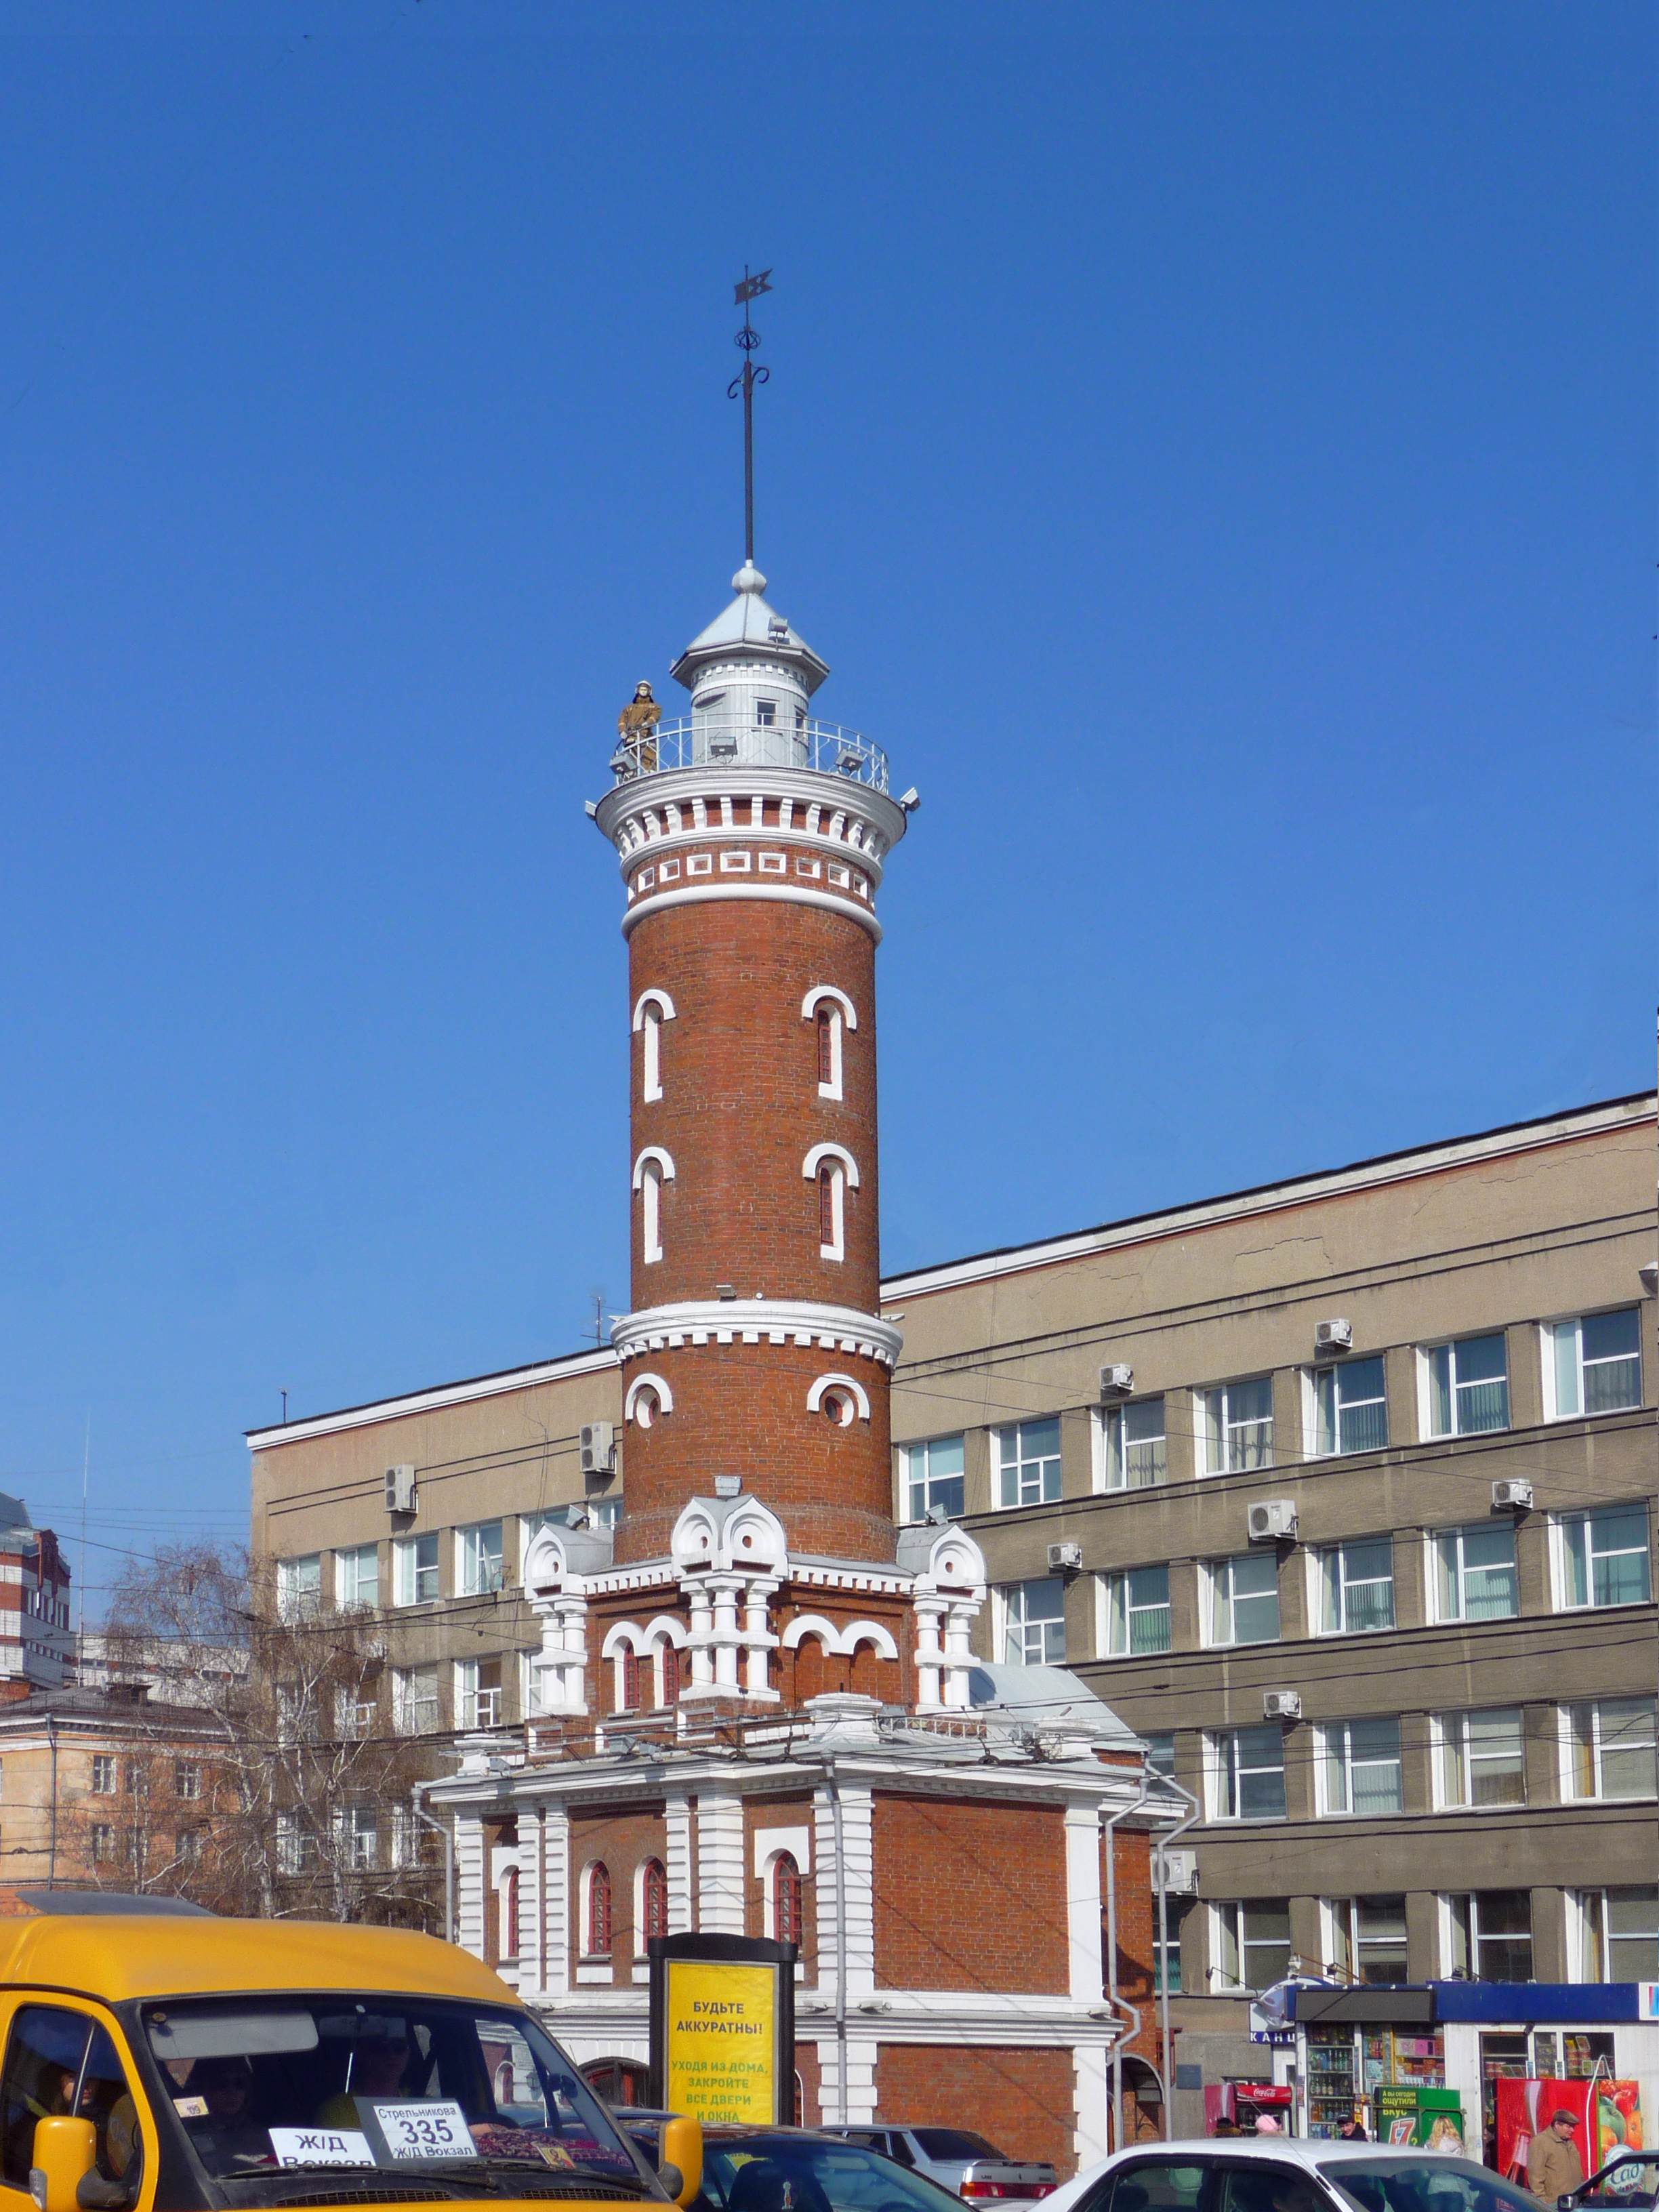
pixel 722 741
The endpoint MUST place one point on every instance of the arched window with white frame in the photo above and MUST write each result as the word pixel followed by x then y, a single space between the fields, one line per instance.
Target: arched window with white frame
pixel 788 1914
pixel 647 1400
pixel 651 1010
pixel 596 1911
pixel 652 1170
pixel 840 1399
pixel 832 1014
pixel 651 1916
pixel 835 1172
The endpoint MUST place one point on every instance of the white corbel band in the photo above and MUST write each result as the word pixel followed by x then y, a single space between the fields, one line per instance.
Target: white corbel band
pixel 757 1321
pixel 819 1153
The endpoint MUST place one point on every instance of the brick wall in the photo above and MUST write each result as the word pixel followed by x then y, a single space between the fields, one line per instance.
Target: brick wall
pixel 1020 2100
pixel 795 1811
pixel 740 1111
pixel 970 1894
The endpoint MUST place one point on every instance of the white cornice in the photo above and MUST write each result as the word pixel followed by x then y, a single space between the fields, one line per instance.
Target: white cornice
pixel 1275 1198
pixel 428 1402
pixel 783 893
pixel 757 1321
pixel 725 779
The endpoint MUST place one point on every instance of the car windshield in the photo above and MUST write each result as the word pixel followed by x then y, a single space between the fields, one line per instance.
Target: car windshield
pixel 803 2173
pixel 1423 2184
pixel 455 2092
pixel 1631 2182
pixel 953 2142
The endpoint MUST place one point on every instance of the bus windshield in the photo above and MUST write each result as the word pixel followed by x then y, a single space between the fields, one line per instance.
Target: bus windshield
pixel 447 2091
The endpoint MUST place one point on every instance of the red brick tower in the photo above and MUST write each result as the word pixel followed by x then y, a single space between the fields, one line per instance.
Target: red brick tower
pixel 752 837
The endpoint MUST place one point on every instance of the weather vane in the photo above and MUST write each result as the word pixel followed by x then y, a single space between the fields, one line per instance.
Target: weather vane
pixel 748 337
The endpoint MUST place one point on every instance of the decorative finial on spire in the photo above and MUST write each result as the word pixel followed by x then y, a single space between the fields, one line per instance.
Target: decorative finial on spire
pixel 748 337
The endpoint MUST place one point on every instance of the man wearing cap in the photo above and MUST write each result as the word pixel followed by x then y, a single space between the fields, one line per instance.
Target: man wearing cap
pixel 1554 2166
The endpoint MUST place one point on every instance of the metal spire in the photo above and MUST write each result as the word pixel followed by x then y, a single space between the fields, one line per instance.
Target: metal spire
pixel 748 337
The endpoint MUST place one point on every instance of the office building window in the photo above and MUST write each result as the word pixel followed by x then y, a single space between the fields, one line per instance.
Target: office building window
pixel 299 1586
pixel 1366 1938
pixel 103 1774
pixel 1360 1768
pixel 1166 1953
pixel 357 1576
pixel 1248 1774
pixel 1610 1749
pixel 1351 1413
pixel 1250 1944
pixel 1466 1387
pixel 415 1569
pixel 1356 1587
pixel 1028 1458
pixel 415 1700
pixel 1601 1558
pixel 932 1479
pixel 1244 1598
pixel 1033 1623
pixel 1474 1577
pixel 1137 1611
pixel 1236 1425
pixel 478 1559
pixel 478 1693
pixel 1137 1450
pixel 1160 1750
pixel 1488 1936
pixel 1480 1758
pixel 1617 1934
pixel 1593 1364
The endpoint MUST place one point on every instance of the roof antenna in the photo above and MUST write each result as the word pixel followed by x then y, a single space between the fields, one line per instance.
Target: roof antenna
pixel 748 337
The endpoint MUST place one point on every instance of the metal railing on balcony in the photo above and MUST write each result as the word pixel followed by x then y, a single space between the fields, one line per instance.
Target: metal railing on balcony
pixel 715 741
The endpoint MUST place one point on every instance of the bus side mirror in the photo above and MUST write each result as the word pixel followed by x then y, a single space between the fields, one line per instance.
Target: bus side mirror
pixel 680 2162
pixel 65 2152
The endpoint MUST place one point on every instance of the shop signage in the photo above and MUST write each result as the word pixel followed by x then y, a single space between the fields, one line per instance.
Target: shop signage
pixel 723 2027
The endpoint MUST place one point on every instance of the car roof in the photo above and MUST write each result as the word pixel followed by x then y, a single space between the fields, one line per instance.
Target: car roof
pixel 113 1956
pixel 1308 2152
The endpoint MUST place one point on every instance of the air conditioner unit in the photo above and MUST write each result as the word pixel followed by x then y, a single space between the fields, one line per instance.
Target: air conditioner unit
pixel 599 1447
pixel 1272 1521
pixel 1180 1872
pixel 1066 1559
pixel 1117 1380
pixel 1281 1705
pixel 1333 1336
pixel 400 1490
pixel 1511 1496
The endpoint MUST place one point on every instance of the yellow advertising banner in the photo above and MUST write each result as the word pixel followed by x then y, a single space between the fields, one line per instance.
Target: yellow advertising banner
pixel 721 2040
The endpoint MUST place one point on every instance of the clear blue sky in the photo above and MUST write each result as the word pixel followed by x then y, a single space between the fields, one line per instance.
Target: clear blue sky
pixel 1213 447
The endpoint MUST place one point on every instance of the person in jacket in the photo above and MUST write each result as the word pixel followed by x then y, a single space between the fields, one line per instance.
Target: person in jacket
pixel 1554 2166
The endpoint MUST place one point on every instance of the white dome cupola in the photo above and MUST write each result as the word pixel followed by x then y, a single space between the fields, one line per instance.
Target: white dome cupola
pixel 751 678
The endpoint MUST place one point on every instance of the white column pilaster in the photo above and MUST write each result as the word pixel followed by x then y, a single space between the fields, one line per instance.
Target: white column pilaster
pixel 677 1864
pixel 470 1883
pixel 1083 1904
pixel 556 1901
pixel 719 1863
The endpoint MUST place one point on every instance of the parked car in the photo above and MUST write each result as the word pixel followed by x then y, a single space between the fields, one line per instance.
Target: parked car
pixel 1631 2182
pixel 1286 2173
pixel 958 2160
pixel 756 2169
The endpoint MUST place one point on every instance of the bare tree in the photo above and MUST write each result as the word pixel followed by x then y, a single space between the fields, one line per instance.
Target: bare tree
pixel 311 1781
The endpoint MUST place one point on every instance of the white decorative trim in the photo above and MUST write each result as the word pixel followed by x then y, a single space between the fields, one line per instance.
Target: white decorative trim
pixel 843 1384
pixel 786 894
pixel 664 1398
pixel 653 997
pixel 757 1321
pixel 842 1641
pixel 809 1005
pixel 819 1153
pixel 653 1152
